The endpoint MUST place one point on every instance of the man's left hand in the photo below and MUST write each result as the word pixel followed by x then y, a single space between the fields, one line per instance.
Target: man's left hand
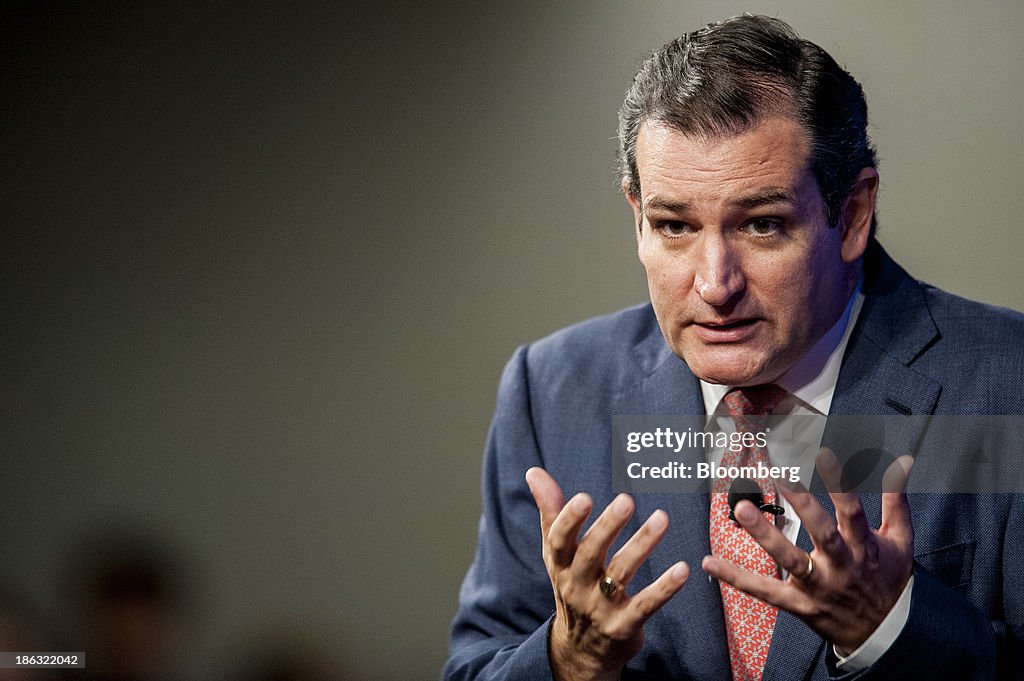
pixel 858 573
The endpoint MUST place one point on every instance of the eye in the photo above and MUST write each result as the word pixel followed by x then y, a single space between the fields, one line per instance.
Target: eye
pixel 672 228
pixel 764 227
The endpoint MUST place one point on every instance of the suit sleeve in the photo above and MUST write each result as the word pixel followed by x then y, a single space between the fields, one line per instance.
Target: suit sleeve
pixel 947 637
pixel 501 628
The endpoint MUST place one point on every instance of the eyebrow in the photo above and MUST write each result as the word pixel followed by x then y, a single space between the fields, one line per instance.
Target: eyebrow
pixel 668 206
pixel 765 197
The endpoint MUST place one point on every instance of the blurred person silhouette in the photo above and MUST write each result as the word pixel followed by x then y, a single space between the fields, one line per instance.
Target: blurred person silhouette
pixel 288 656
pixel 132 600
pixel 24 629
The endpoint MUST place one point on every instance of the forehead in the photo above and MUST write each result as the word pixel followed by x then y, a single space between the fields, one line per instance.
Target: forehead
pixel 678 168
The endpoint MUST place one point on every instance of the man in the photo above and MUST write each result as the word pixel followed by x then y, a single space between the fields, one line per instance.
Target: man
pixel 747 165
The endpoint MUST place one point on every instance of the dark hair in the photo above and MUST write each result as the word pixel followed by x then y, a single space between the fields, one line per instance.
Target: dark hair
pixel 729 76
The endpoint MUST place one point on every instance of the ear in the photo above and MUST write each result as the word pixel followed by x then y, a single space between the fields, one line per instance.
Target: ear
pixel 634 203
pixel 858 213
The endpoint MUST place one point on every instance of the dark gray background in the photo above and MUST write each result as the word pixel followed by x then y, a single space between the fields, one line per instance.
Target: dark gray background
pixel 262 265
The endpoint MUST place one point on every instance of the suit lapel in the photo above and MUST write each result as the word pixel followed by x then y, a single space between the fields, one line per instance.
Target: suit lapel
pixel 877 378
pixel 895 327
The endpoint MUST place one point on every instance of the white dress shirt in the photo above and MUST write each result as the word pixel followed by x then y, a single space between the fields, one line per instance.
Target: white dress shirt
pixel 810 384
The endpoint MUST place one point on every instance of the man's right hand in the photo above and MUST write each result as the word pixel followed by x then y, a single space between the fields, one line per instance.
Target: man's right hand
pixel 593 634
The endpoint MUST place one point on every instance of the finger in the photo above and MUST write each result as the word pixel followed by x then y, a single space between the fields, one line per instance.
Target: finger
pixel 649 600
pixel 820 526
pixel 850 517
pixel 546 494
pixel 593 548
pixel 895 506
pixel 560 539
pixel 627 560
pixel 786 554
pixel 772 591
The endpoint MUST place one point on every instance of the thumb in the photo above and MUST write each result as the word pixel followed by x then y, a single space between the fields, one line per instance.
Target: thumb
pixel 895 506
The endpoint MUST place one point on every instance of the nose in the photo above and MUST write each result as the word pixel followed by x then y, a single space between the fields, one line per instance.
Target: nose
pixel 719 276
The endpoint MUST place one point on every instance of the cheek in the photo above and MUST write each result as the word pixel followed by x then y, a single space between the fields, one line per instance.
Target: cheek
pixel 782 288
pixel 795 290
pixel 669 280
pixel 792 275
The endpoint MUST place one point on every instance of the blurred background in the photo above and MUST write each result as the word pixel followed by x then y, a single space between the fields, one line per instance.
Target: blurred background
pixel 262 265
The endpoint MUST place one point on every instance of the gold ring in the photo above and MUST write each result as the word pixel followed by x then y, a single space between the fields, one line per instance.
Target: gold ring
pixel 609 587
pixel 810 569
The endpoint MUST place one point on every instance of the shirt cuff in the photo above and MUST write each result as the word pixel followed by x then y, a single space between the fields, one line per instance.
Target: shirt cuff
pixel 881 638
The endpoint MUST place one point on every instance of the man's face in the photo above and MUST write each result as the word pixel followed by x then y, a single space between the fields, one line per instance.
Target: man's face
pixel 744 273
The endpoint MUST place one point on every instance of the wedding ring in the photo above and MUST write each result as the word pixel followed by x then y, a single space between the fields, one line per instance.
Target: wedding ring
pixel 609 587
pixel 810 569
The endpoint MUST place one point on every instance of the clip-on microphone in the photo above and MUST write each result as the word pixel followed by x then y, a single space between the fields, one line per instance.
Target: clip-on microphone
pixel 747 488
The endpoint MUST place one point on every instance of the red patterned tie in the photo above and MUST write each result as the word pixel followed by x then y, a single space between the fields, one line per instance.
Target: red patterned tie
pixel 748 621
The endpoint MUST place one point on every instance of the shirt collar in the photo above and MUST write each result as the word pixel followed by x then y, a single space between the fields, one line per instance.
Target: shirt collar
pixel 812 380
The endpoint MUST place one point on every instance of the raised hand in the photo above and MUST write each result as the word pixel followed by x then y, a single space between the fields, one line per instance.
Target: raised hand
pixel 847 585
pixel 598 626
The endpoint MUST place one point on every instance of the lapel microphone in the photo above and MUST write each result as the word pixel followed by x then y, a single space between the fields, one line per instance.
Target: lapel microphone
pixel 747 488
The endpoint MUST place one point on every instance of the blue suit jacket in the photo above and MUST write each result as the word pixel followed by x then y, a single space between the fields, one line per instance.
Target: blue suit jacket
pixel 915 350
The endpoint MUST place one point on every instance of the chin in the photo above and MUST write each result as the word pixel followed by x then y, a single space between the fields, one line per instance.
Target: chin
pixel 728 373
pixel 725 376
pixel 735 380
pixel 731 375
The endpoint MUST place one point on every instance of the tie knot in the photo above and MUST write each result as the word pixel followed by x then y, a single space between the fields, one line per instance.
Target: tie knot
pixel 755 400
